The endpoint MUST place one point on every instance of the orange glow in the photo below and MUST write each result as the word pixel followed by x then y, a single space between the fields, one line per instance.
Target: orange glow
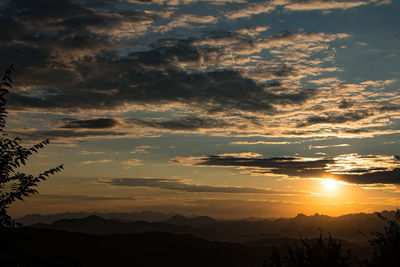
pixel 330 184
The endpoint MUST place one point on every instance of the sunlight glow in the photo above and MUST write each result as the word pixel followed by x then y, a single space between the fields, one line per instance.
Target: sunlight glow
pixel 330 184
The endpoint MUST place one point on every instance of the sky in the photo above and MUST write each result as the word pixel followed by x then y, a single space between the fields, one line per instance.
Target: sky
pixel 231 109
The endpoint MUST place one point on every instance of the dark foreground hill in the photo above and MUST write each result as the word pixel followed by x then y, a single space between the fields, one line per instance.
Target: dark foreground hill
pixel 95 225
pixel 45 247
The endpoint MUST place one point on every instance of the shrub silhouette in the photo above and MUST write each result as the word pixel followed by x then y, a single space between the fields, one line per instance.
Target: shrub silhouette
pixel 324 252
pixel 15 185
pixel 386 244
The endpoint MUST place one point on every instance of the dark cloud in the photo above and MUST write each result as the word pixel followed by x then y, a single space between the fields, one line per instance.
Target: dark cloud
pixel 61 30
pixel 42 11
pixel 66 133
pixel 290 166
pixel 101 123
pixel 337 118
pixel 169 51
pixel 373 177
pixel 215 91
pixel 357 131
pixel 177 185
pixel 79 58
pixel 190 124
pixel 68 54
pixel 283 71
pixel 345 104
pixel 302 168
pixel 46 39
pixel 389 107
pixel 36 135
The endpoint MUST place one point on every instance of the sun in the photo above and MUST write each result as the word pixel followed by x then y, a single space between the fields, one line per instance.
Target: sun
pixel 330 184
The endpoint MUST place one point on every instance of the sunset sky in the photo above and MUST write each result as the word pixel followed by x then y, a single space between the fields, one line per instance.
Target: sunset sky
pixel 223 108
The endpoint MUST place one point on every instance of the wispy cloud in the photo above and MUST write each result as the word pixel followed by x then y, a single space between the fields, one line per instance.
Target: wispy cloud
pixel 82 197
pixel 142 149
pixel 262 143
pixel 323 5
pixel 179 185
pixel 185 21
pixel 132 162
pixel 84 152
pixel 100 161
pixel 327 146
pixel 268 6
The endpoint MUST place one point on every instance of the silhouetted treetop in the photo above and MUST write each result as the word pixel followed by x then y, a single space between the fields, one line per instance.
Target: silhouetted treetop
pixel 15 185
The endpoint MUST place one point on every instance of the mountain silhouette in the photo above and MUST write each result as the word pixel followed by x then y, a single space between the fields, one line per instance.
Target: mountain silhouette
pixel 345 227
pixel 149 216
pixel 96 225
pixel 196 221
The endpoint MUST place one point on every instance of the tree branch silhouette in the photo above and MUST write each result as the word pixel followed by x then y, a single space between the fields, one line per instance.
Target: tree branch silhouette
pixel 15 185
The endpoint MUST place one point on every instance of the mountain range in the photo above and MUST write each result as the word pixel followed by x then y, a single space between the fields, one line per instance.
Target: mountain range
pixel 116 239
pixel 352 227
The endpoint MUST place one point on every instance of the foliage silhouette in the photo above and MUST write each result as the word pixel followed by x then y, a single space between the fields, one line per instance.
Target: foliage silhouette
pixel 321 251
pixel 386 244
pixel 15 185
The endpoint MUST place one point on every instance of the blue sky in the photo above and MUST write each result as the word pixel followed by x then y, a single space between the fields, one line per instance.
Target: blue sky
pixel 224 108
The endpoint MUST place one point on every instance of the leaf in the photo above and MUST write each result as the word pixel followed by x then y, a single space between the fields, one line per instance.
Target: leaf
pixel 13 156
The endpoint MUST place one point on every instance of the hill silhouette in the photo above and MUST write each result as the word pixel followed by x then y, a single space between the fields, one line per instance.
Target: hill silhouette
pixel 194 241
pixel 96 225
pixel 149 216
pixel 45 247
pixel 345 227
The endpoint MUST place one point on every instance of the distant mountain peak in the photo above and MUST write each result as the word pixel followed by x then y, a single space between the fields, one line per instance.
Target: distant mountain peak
pixel 177 219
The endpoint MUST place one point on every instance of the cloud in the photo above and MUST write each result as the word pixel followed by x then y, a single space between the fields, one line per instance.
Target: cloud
pixel 178 185
pixel 261 143
pixel 101 161
pixel 345 104
pixel 381 2
pixel 185 124
pixel 67 28
pixel 290 166
pixel 249 10
pixel 81 197
pixel 70 134
pixel 309 5
pixel 132 162
pixel 327 146
pixel 104 81
pixel 351 168
pixel 187 21
pixel 91 59
pixel 141 149
pixel 262 7
pixel 101 123
pixel 84 152
pixel 340 118
pixel 49 37
pixel 180 2
pixel 253 31
pixel 215 91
